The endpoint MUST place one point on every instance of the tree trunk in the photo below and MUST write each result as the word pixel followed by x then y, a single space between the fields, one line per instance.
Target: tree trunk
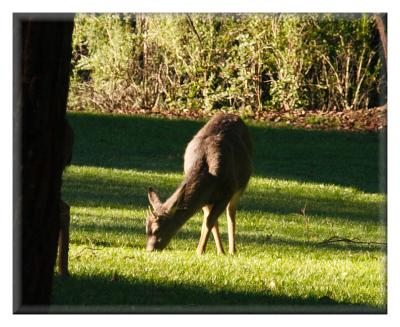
pixel 381 22
pixel 42 52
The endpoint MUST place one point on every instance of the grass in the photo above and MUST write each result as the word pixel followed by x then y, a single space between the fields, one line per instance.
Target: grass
pixel 282 264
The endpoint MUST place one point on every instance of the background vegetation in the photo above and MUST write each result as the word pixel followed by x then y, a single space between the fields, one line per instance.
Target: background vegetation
pixel 245 62
pixel 310 227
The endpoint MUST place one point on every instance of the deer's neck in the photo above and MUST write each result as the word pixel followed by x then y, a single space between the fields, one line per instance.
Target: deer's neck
pixel 197 187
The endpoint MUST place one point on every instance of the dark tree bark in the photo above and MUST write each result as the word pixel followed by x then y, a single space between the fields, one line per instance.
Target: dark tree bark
pixel 42 54
pixel 381 23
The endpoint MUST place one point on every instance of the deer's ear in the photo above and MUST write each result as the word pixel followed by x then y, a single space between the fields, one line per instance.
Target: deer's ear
pixel 151 214
pixel 154 199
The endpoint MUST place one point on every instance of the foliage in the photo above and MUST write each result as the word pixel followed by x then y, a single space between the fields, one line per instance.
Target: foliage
pixel 102 49
pixel 232 61
pixel 281 258
pixel 348 69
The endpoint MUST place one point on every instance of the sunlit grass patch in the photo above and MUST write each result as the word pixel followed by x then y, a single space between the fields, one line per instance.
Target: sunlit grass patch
pixel 280 254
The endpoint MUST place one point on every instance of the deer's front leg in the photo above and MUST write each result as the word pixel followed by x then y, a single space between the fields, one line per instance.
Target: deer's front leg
pixel 63 239
pixel 214 230
pixel 217 238
pixel 210 219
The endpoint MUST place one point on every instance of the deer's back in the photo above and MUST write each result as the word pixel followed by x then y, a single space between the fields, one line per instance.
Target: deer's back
pixel 221 150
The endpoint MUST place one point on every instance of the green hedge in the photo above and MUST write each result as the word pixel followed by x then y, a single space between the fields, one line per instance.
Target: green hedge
pixel 241 62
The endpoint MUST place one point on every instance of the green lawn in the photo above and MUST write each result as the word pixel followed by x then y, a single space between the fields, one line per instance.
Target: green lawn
pixel 282 264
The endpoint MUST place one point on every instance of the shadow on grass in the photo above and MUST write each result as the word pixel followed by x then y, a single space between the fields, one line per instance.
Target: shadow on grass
pixel 92 191
pixel 154 144
pixel 90 294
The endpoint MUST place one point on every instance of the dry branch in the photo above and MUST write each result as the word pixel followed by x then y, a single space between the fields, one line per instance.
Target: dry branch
pixel 335 239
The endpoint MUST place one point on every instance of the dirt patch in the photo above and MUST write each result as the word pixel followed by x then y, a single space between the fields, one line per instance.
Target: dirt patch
pixel 373 119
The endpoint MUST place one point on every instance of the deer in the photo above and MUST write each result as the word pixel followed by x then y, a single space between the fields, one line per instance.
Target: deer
pixel 217 168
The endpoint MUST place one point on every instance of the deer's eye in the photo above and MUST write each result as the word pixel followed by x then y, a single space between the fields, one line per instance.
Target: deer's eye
pixel 156 230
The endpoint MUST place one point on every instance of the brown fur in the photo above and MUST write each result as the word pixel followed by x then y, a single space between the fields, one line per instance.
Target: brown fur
pixel 217 166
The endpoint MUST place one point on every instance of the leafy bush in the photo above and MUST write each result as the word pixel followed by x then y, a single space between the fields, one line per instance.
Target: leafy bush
pixel 347 69
pixel 233 62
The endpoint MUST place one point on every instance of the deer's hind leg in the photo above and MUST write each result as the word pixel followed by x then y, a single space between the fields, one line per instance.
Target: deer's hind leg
pixel 210 223
pixel 231 217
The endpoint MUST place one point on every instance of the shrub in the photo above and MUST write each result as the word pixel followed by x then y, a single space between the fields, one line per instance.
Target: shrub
pixel 232 61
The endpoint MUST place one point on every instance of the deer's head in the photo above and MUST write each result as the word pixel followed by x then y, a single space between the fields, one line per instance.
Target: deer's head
pixel 160 223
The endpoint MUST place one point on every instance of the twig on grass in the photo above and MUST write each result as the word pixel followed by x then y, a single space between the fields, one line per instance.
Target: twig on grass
pixel 306 220
pixel 335 239
pixel 83 250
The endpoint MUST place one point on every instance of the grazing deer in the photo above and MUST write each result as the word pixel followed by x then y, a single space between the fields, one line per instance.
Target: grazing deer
pixel 217 166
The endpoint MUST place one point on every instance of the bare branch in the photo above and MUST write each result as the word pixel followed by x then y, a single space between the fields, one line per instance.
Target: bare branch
pixel 335 239
pixel 191 24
